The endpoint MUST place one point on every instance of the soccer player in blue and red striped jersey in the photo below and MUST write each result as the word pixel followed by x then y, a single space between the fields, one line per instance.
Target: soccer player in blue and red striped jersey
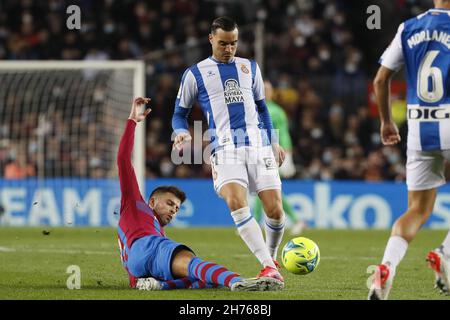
pixel 153 261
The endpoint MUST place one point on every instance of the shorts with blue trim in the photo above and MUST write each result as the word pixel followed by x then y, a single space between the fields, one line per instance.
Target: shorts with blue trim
pixel 151 256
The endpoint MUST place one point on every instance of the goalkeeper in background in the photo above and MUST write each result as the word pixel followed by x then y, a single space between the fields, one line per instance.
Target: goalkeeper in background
pixel 287 169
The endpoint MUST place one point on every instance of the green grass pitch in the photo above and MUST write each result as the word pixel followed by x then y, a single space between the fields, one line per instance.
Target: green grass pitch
pixel 34 265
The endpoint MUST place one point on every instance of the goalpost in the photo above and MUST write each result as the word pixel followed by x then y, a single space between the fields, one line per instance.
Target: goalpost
pixel 60 127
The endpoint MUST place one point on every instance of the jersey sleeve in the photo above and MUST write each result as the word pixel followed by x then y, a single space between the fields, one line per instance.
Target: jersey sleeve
pixel 128 182
pixel 258 83
pixel 392 57
pixel 187 93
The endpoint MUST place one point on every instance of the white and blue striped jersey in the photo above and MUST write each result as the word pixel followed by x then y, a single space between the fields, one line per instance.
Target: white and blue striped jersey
pixel 227 94
pixel 423 45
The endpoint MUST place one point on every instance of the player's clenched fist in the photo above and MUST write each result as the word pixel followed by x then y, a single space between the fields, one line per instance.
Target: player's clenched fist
pixel 136 115
pixel 389 133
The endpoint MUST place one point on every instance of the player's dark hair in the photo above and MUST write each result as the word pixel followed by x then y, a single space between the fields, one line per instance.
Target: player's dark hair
pixel 169 189
pixel 224 23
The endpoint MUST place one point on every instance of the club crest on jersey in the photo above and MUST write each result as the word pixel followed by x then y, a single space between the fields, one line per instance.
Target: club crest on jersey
pixel 244 69
pixel 232 92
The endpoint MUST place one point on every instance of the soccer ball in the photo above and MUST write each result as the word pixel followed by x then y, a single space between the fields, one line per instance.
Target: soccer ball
pixel 300 256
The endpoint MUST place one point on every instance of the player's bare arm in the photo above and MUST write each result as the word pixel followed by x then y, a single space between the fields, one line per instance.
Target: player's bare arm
pixel 388 130
pixel 279 153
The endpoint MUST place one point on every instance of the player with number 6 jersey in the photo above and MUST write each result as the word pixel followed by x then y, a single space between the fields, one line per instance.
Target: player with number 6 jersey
pixel 422 44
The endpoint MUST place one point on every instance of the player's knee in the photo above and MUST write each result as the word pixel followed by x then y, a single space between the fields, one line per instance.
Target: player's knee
pixel 274 211
pixel 422 212
pixel 236 203
pixel 180 263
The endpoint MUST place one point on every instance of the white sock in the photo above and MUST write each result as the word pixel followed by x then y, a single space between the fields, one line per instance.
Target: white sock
pixel 446 245
pixel 251 233
pixel 395 251
pixel 274 234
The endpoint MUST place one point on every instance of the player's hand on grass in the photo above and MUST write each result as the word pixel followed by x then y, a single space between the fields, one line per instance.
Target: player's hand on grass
pixel 136 115
pixel 181 139
pixel 389 133
pixel 279 153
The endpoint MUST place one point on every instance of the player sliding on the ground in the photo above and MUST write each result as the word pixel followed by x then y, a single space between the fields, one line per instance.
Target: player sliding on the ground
pixel 153 261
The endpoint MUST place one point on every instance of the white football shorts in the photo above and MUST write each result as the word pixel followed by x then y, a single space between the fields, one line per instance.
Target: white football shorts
pixel 425 169
pixel 254 168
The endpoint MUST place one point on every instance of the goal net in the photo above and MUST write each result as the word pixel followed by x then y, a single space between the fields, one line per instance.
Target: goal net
pixel 60 127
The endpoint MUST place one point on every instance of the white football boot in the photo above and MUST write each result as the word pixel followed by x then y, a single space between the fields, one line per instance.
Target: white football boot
pixel 149 284
pixel 381 283
pixel 257 284
pixel 440 263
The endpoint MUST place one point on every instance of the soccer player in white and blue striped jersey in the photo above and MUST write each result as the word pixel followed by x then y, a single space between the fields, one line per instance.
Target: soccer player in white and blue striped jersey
pixel 230 91
pixel 422 44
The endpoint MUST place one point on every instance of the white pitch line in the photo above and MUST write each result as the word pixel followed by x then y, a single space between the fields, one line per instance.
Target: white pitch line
pixel 58 251
pixel 64 251
pixel 321 257
pixel 347 258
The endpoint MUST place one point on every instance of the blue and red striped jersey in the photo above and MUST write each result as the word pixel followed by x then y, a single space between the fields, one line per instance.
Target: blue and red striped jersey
pixel 137 219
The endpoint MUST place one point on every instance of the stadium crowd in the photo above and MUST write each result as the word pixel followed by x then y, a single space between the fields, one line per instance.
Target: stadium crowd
pixel 312 57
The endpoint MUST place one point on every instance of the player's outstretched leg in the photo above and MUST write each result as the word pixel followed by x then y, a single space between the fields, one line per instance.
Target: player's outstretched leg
pixel 152 284
pixel 252 284
pixel 212 273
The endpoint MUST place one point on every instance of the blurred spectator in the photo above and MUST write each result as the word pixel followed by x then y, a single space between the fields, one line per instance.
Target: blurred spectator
pixel 312 55
pixel 19 168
